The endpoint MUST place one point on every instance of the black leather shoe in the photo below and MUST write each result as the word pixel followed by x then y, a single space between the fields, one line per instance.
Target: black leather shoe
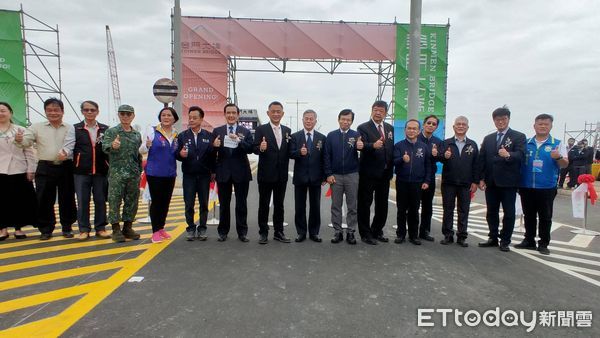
pixel 525 244
pixel 300 238
pixel 243 239
pixel 337 238
pixel 315 238
pixel 350 239
pixel 488 244
pixel 68 234
pixel 427 237
pixel 45 237
pixel 280 236
pixel 222 238
pixel 5 237
pixel 504 247
pixel 399 240
pixel 447 240
pixel 368 240
pixel 263 239
pixel 414 241
pixel 461 242
pixel 544 250
pixel 382 239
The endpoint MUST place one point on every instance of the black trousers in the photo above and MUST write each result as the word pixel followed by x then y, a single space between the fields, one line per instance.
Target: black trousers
pixel 537 203
pixel 314 215
pixel 196 185
pixel 264 192
pixel 574 174
pixel 426 209
pixel 48 179
pixel 367 187
pixel 494 196
pixel 161 190
pixel 451 194
pixel 17 201
pixel 241 209
pixel 563 175
pixel 408 198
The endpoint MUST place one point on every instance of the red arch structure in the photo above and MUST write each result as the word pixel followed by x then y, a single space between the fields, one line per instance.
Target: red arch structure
pixel 210 47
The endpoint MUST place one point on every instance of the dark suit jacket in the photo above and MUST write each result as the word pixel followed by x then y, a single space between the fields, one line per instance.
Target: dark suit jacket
pixel 273 162
pixel 308 169
pixel 497 171
pixel 233 163
pixel 200 159
pixel 373 161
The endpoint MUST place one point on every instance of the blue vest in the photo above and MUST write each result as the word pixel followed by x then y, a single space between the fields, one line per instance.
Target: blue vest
pixel 161 157
pixel 534 176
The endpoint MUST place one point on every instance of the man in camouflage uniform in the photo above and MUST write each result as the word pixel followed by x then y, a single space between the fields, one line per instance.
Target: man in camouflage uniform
pixel 121 143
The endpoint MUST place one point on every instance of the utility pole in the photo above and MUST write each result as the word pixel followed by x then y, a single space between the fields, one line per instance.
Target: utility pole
pixel 297 103
pixel 414 59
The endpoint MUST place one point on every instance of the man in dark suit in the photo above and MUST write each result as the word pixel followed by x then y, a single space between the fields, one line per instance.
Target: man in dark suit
pixel 195 151
pixel 376 170
pixel 234 143
pixel 271 146
pixel 500 160
pixel 430 125
pixel 460 178
pixel 307 148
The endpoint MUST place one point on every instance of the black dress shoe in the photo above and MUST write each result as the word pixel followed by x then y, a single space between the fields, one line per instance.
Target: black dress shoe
pixel 414 241
pixel 350 238
pixel 280 236
pixel 461 242
pixel 5 237
pixel 337 238
pixel 488 244
pixel 382 239
pixel 45 237
pixel 222 238
pixel 504 247
pixel 315 238
pixel 300 238
pixel 525 244
pixel 447 240
pixel 368 240
pixel 399 240
pixel 427 237
pixel 243 239
pixel 544 250
pixel 263 239
pixel 68 234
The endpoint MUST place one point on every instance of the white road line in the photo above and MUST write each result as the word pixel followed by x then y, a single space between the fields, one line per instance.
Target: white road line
pixel 581 241
pixel 557 266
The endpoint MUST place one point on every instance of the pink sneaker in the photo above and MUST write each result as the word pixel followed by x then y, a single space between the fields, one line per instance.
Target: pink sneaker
pixel 164 234
pixel 156 238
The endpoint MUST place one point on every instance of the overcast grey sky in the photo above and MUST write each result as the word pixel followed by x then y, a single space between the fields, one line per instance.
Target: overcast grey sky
pixel 535 56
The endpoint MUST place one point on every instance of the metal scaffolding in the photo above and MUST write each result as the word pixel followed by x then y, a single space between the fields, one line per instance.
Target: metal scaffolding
pixel 44 79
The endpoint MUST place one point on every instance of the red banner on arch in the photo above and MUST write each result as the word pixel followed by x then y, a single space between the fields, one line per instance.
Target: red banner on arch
pixel 206 43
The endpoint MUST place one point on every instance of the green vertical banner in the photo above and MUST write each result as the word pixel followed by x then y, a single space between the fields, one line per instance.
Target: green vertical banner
pixel 433 76
pixel 12 70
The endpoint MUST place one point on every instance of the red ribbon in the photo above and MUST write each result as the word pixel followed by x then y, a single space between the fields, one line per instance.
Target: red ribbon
pixel 589 180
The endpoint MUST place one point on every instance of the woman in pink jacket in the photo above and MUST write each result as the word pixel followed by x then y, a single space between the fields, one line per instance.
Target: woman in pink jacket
pixel 17 170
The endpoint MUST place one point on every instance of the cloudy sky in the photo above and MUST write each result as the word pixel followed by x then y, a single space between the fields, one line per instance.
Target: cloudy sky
pixel 535 56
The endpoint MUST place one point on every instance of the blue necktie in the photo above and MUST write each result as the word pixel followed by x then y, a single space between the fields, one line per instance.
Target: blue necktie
pixel 309 142
pixel 231 129
pixel 499 139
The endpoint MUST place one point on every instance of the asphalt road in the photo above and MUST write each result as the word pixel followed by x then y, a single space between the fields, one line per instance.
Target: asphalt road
pixel 235 289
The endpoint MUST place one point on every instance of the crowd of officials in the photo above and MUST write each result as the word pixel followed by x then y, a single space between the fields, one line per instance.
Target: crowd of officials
pixel 90 161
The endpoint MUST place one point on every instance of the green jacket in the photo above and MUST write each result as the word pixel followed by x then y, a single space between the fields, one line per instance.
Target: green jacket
pixel 127 160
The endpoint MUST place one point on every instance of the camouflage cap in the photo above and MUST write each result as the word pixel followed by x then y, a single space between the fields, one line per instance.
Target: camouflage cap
pixel 126 108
